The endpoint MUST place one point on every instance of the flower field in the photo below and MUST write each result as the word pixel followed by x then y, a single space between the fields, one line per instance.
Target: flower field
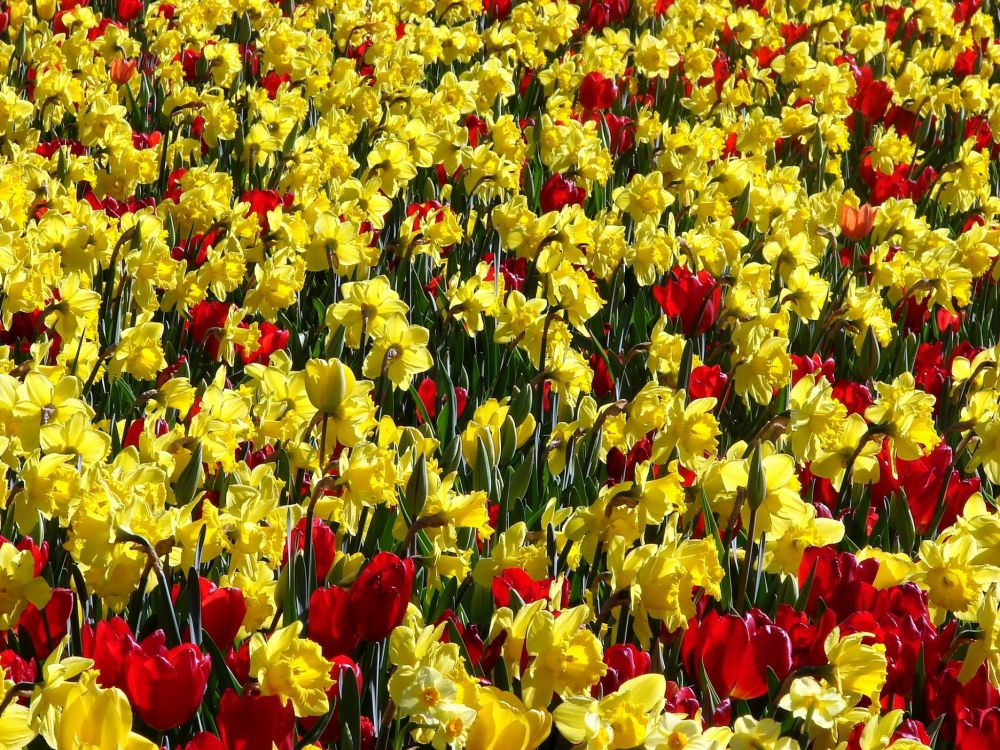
pixel 499 374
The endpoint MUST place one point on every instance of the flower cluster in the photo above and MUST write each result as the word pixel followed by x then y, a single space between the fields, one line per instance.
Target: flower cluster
pixel 495 375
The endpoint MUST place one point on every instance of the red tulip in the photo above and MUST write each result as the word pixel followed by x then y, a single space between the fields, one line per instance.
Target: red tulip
pixel 255 722
pixel 597 92
pixel 330 622
pixel 205 741
pixel 694 298
pixel 324 545
pixel 379 596
pixel 516 580
pixel 624 661
pixel 129 9
pixel 343 668
pixel 165 686
pixel 15 668
pixel 843 582
pixel 47 627
pixel 222 612
pixel 272 339
pixel 735 652
pixel 707 381
pixel 558 192
pixel 109 645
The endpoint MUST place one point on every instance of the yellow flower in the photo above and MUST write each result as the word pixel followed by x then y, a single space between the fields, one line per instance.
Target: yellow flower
pixel 907 414
pixel 16 731
pixel 49 697
pixel 986 648
pixel 19 585
pixel 139 352
pixel 492 423
pixel 400 352
pixel 567 656
pixel 750 734
pixel 644 197
pixel 504 723
pixel 617 721
pixel 364 308
pixel 789 539
pixel 859 670
pixel 341 398
pixel 952 578
pixel 80 729
pixel 661 580
pixel 691 429
pixel 814 702
pixel 763 364
pixel 292 668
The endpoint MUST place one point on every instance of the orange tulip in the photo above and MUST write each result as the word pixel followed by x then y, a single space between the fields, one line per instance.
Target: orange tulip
pixel 122 70
pixel 856 223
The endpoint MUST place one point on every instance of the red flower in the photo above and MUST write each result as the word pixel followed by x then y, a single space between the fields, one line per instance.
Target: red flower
pixel 624 662
pixel 856 223
pixel 812 366
pixel 497 9
pixel 15 668
pixel 109 644
pixel 330 623
pixel 621 467
pixel 959 704
pixel 603 383
pixel 427 390
pixel 324 545
pixel 558 192
pixel 344 668
pixel 122 70
pixel 694 298
pixel 129 9
pixel 843 582
pixel 255 722
pixel 469 635
pixel 518 581
pixel 922 481
pixel 872 98
pixel 205 741
pixel 856 397
pixel 208 318
pixel 222 612
pixel 681 700
pixel 165 686
pixel 47 627
pixel 379 596
pixel 735 652
pixel 707 382
pixel 597 92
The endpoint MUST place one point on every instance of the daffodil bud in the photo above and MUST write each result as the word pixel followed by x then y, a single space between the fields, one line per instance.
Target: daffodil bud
pixel 757 480
pixel 868 362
